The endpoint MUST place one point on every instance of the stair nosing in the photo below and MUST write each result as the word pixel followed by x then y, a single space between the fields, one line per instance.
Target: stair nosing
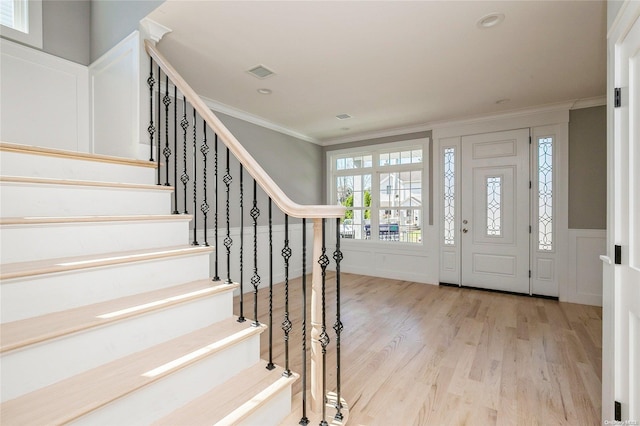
pixel 51 152
pixel 89 183
pixel 95 261
pixel 43 220
pixel 220 287
pixel 96 403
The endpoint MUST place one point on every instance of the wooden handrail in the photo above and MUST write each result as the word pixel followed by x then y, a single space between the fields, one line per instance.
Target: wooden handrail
pixel 248 162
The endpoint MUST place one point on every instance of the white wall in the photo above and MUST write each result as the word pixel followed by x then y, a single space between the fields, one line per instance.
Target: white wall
pixel 43 99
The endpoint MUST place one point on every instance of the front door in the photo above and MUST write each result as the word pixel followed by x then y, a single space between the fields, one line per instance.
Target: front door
pixel 495 211
pixel 627 218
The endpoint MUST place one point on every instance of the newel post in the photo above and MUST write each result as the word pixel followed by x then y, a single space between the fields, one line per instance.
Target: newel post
pixel 317 398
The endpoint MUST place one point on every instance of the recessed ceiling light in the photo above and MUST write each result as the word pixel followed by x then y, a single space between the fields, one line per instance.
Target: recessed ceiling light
pixel 503 101
pixel 343 116
pixel 490 20
pixel 260 71
pixel 264 91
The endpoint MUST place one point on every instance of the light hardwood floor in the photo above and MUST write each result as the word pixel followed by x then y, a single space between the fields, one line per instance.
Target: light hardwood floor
pixel 416 354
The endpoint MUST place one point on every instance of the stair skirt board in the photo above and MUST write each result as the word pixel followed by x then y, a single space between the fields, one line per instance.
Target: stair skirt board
pixel 34 165
pixel 25 370
pixel 19 242
pixel 38 295
pixel 49 199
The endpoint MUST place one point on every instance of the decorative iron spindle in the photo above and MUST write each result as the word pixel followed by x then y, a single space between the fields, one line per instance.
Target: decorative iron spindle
pixel 204 207
pixel 304 420
pixel 286 324
pixel 195 180
pixel 158 122
pixel 337 256
pixel 166 100
pixel 324 337
pixel 270 365
pixel 175 150
pixel 255 279
pixel 151 129
pixel 184 177
pixel 227 240
pixel 215 213
pixel 241 318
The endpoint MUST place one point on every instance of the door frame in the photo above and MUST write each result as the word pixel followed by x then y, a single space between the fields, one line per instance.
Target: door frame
pixel 541 121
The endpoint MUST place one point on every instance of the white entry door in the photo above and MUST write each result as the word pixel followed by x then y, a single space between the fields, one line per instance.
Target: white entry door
pixel 627 218
pixel 495 211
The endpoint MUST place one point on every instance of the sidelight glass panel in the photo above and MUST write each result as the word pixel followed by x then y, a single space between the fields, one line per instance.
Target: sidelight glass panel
pixel 545 194
pixel 449 196
pixel 494 206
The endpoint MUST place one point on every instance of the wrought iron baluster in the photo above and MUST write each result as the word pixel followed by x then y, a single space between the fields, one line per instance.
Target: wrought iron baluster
pixel 175 150
pixel 286 323
pixel 324 337
pixel 255 279
pixel 304 420
pixel 158 122
pixel 227 240
pixel 166 100
pixel 204 207
pixel 270 365
pixel 215 214
pixel 151 129
pixel 337 256
pixel 195 180
pixel 241 318
pixel 184 177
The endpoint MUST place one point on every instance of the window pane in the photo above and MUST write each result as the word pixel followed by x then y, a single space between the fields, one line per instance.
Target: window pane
pixel 545 194
pixel 449 196
pixel 494 205
pixel 6 13
pixel 354 192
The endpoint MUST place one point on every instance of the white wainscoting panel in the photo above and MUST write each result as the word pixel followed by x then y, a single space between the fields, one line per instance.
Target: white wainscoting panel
pixel 115 102
pixel 43 98
pixel 585 267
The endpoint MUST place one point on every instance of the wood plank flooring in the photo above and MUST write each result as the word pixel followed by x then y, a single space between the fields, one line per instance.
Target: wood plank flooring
pixel 416 354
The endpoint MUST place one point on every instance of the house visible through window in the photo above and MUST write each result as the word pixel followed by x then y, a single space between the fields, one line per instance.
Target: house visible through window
pixel 382 189
pixel 21 20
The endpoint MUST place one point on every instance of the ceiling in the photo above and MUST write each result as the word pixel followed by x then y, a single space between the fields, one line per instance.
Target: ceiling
pixel 391 65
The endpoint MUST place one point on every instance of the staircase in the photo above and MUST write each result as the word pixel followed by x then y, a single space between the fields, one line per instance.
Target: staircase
pixel 109 316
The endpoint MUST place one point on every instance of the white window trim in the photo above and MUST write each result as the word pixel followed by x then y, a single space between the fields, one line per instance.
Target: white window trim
pixel 375 150
pixel 33 36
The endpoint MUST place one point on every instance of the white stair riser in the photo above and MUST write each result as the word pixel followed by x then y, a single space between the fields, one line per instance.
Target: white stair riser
pixel 162 397
pixel 43 364
pixel 30 165
pixel 21 243
pixel 42 294
pixel 28 200
pixel 273 412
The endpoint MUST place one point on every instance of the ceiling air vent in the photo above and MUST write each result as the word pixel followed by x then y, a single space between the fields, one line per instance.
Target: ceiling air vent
pixel 260 71
pixel 343 116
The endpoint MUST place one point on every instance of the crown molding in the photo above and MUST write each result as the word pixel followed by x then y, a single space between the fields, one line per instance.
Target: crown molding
pixel 589 102
pixel 153 30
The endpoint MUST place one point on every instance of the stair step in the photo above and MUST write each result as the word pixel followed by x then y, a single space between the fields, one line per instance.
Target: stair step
pixel 36 288
pixel 236 399
pixel 64 264
pixel 85 235
pixel 29 196
pixel 19 334
pixel 101 387
pixel 33 161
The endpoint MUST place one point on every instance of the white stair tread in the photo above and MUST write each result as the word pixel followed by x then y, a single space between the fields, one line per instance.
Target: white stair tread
pixel 71 398
pixel 36 150
pixel 29 331
pixel 91 183
pixel 234 400
pixel 33 220
pixel 48 266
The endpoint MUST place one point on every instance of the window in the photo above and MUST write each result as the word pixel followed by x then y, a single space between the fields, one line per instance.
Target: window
pixel 21 20
pixel 382 189
pixel 545 193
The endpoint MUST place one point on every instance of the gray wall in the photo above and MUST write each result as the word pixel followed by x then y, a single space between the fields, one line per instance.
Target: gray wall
pixel 113 20
pixel 66 31
pixel 588 168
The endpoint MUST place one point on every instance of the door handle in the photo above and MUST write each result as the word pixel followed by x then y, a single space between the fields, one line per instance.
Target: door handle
pixel 465 230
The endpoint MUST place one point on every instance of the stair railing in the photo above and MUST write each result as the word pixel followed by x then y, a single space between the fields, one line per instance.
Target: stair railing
pixel 183 153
